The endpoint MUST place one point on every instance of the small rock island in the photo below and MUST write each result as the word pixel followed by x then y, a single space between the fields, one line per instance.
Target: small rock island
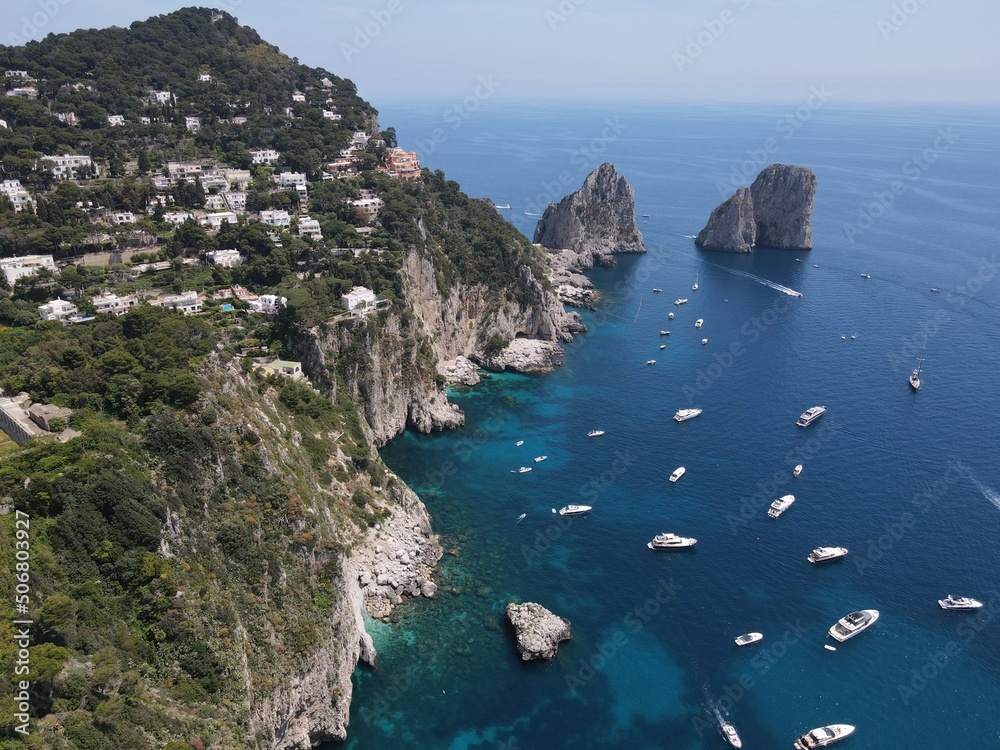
pixel 539 632
pixel 775 211
pixel 595 222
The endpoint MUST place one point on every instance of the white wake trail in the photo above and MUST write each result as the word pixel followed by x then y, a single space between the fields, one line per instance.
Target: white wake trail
pixel 988 492
pixel 760 280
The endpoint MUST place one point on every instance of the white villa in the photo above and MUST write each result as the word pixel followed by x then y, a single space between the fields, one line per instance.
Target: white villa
pixel 225 258
pixel 58 309
pixel 359 301
pixel 65 167
pixel 266 156
pixel 275 218
pixel 25 265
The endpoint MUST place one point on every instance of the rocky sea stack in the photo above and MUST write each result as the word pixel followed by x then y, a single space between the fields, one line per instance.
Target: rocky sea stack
pixel 776 211
pixel 596 221
pixel 539 632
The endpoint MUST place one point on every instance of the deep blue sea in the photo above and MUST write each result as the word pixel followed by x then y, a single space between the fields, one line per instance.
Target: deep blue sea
pixel 908 481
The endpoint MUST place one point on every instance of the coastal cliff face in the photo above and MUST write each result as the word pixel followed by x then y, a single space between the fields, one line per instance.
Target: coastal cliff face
pixel 776 211
pixel 783 204
pixel 731 226
pixel 596 221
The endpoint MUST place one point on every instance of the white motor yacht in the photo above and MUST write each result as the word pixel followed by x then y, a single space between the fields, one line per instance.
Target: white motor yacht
pixel 682 301
pixel 595 433
pixel 826 554
pixel 780 505
pixel 539 459
pixel 698 323
pixel 854 623
pixel 671 541
pixel 797 470
pixel 678 473
pixel 729 731
pixel 823 736
pixel 747 638
pixel 685 414
pixel 959 602
pixel 810 415
pixel 573 510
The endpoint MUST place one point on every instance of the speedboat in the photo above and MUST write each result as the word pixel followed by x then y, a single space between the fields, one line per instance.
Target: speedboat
pixel 657 290
pixel 747 638
pixel 729 731
pixel 810 415
pixel 678 473
pixel 780 505
pixel 664 333
pixel 650 361
pixel 573 510
pixel 866 276
pixel 697 323
pixel 935 289
pixel 815 265
pixel 539 459
pixel 826 554
pixel 519 443
pixel 681 301
pixel 524 470
pixel 671 541
pixel 683 414
pixel 823 736
pixel 704 341
pixel 663 346
pixel 797 470
pixel 595 433
pixel 670 316
pixel 694 287
pixel 959 602
pixel 798 260
pixel 915 375
pixel 852 624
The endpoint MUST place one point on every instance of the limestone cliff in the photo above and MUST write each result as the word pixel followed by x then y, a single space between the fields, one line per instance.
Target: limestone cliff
pixel 596 221
pixel 776 211
pixel 731 226
pixel 783 205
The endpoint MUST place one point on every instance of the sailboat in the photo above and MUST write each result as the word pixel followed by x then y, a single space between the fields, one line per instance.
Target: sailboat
pixel 915 375
pixel 695 287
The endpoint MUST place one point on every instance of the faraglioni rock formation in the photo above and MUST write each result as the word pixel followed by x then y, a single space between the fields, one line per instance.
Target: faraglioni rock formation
pixel 731 225
pixel 539 632
pixel 596 221
pixel 776 211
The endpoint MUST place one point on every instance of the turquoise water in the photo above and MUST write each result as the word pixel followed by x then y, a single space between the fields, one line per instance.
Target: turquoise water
pixel 907 481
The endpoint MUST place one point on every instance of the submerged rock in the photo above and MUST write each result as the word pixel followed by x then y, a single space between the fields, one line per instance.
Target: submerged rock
pixel 776 211
pixel 539 632
pixel 596 221
pixel 731 226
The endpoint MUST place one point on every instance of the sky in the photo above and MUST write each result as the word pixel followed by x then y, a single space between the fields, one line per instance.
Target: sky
pixel 909 51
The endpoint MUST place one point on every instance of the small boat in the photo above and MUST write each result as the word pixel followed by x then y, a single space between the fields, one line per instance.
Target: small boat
pixel 539 459
pixel 914 378
pixel 935 289
pixel 798 260
pixel 698 323
pixel 823 736
pixel 680 301
pixel 664 333
pixel 815 265
pixel 797 470
pixel 650 361
pixel 866 276
pixel 852 624
pixel 573 510
pixel 595 433
pixel 671 541
pixel 747 638
pixel 655 289
pixel 519 443
pixel 826 554
pixel 780 505
pixel 683 414
pixel 524 470
pixel 810 415
pixel 959 602
pixel 843 338
pixel 853 336
pixel 645 216
pixel 694 287
pixel 678 473
pixel 520 518
pixel 670 317
pixel 663 346
pixel 729 732
pixel 704 341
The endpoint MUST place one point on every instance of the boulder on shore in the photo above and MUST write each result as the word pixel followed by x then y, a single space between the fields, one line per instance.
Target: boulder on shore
pixel 539 632
pixel 775 211
pixel 596 221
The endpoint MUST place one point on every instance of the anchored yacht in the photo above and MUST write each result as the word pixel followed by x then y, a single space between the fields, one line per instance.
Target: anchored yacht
pixel 684 414
pixel 854 623
pixel 810 415
pixel 823 736
pixel 678 473
pixel 671 541
pixel 826 554
pixel 959 602
pixel 780 505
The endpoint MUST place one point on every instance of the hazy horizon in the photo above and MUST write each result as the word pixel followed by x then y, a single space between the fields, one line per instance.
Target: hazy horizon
pixel 729 51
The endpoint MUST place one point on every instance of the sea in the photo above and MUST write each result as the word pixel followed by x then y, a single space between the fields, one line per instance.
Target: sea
pixel 908 481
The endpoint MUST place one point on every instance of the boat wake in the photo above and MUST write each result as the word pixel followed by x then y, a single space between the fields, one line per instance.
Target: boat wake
pixel 760 280
pixel 988 492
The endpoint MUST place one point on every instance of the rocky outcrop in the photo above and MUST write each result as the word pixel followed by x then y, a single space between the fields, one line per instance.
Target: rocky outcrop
pixel 538 631
pixel 596 221
pixel 776 211
pixel 459 371
pixel 731 226
pixel 524 355
pixel 783 205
